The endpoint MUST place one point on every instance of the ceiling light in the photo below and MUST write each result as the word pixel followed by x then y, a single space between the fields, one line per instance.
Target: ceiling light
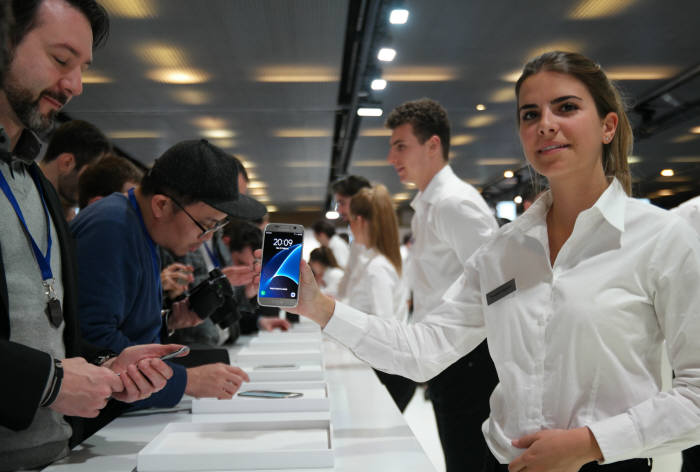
pixel 257 192
pixel 481 107
pixel 137 9
pixel 508 174
pixel 386 54
pixel 306 164
pixel 686 159
pixel 161 54
pixel 634 159
pixel 497 161
pixel 218 133
pixel 419 74
pixel 378 84
pixel 667 172
pixel 178 76
pixel 369 112
pixel 224 143
pixel 371 163
pixel 480 120
pixel 296 73
pixel 664 192
pixel 641 72
pixel 592 9
pixel 402 196
pixel 191 97
pixel 91 76
pixel 134 134
pixel 302 133
pixel 398 16
pixel 332 215
pixel 518 199
pixel 462 139
pixel 503 95
pixel 209 122
pixel 376 132
pixel 410 185
pixel 256 184
pixel 695 130
pixel 272 208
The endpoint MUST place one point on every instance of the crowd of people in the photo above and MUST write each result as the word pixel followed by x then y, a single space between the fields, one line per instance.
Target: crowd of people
pixel 540 341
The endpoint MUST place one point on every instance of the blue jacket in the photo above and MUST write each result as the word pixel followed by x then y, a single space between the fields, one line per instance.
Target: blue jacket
pixel 119 299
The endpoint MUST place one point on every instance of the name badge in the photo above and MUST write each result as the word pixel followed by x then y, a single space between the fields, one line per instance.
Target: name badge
pixel 494 295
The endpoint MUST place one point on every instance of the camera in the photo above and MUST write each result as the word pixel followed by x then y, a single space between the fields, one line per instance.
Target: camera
pixel 213 298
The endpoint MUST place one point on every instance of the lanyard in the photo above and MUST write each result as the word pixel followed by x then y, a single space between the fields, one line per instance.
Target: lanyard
pixel 151 245
pixel 44 261
pixel 212 256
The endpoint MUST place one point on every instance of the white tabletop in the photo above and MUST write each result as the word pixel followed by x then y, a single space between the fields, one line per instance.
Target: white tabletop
pixel 369 432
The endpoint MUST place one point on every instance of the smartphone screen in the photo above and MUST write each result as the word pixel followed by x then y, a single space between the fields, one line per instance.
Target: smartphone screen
pixel 269 394
pixel 279 276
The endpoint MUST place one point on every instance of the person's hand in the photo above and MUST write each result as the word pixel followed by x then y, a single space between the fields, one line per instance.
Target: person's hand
pixel 251 290
pixel 239 275
pixel 175 278
pixel 141 371
pixel 556 450
pixel 214 381
pixel 268 324
pixel 85 388
pixel 181 316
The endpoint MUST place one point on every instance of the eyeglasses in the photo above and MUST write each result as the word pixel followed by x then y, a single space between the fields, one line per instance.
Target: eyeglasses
pixel 212 228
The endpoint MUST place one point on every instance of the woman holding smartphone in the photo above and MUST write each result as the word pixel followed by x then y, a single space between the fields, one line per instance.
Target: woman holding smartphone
pixel 376 287
pixel 576 297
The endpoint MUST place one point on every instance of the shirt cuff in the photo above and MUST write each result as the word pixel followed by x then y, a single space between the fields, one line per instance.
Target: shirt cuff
pixel 617 438
pixel 347 325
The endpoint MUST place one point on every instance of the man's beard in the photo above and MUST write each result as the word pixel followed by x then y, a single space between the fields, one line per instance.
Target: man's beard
pixel 27 109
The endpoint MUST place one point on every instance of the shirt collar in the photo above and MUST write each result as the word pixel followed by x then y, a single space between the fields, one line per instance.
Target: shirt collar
pixel 26 149
pixel 433 191
pixel 610 205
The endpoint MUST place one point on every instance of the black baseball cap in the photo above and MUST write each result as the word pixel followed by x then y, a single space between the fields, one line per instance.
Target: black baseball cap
pixel 200 171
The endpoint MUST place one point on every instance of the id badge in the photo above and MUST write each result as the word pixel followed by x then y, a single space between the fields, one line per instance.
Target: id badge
pixel 54 312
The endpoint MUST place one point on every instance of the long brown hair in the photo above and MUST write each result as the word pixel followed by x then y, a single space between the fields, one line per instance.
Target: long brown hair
pixel 375 206
pixel 607 99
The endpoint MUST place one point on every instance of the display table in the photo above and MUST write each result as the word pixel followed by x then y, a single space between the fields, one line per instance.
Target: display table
pixel 368 431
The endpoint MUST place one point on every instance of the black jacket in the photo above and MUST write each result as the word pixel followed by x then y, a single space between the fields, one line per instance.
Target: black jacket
pixel 25 370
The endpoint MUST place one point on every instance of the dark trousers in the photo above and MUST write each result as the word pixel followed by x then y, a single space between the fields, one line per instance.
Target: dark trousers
pixel 632 465
pixel 400 388
pixel 460 396
pixel 691 459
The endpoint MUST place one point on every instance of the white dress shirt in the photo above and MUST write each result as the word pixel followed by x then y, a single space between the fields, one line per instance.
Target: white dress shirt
pixel 331 279
pixel 355 259
pixel 376 288
pixel 690 212
pixel 576 344
pixel 451 221
pixel 341 250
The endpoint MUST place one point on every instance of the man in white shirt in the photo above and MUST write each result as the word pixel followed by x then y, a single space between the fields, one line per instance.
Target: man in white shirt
pixel 324 232
pixel 451 221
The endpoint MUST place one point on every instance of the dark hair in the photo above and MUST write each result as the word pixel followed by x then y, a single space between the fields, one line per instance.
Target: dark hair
pixel 607 99
pixel 243 234
pixel 324 256
pixel 25 13
pixel 322 226
pixel 6 22
pixel 79 138
pixel 427 117
pixel 350 185
pixel 106 176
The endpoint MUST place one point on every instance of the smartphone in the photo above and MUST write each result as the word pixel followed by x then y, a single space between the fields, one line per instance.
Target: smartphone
pixel 269 394
pixel 183 349
pixel 279 275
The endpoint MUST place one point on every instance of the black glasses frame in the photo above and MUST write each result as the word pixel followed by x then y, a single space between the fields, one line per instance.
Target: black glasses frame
pixel 205 231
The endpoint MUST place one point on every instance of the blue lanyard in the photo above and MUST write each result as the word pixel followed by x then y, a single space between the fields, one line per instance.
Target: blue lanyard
pixel 44 261
pixel 149 240
pixel 212 256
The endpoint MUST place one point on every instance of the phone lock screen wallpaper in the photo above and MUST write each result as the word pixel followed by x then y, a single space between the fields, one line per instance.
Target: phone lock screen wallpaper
pixel 280 265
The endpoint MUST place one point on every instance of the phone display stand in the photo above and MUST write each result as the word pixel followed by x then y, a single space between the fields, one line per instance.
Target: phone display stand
pixel 239 446
pixel 314 398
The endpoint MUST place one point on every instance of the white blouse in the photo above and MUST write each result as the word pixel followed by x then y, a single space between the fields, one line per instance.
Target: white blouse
pixel 331 279
pixel 376 288
pixel 575 344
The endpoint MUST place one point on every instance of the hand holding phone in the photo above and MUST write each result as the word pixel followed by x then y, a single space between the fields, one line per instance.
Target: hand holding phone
pixel 281 257
pixel 183 351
